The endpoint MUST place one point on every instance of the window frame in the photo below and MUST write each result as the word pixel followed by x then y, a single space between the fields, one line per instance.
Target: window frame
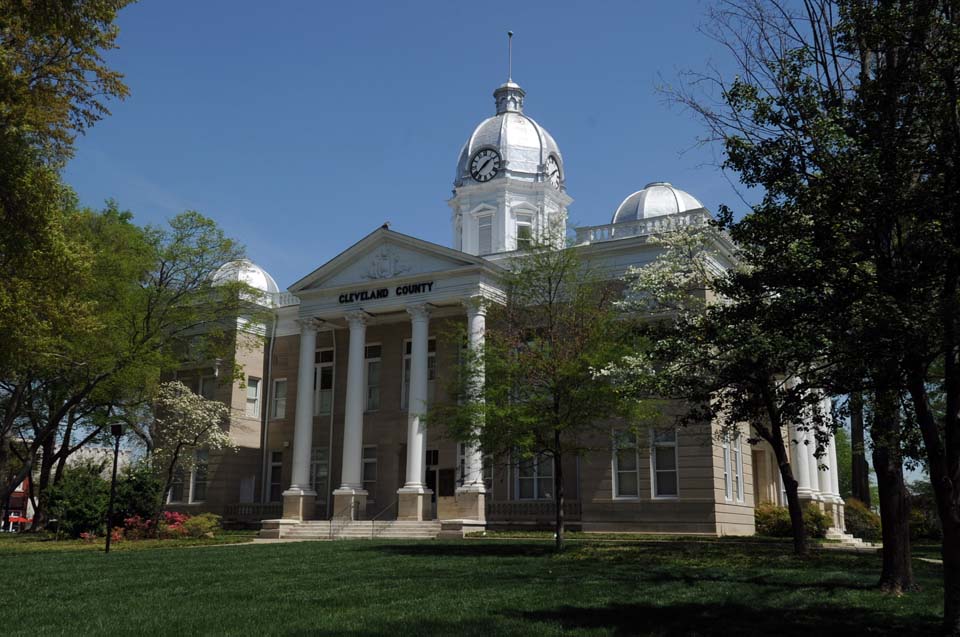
pixel 194 473
pixel 405 372
pixel 366 377
pixel 315 463
pixel 536 477
pixel 256 399
pixel 318 366
pixel 523 220
pixel 276 463
pixel 654 482
pixel 363 471
pixel 279 399
pixel 615 464
pixel 484 221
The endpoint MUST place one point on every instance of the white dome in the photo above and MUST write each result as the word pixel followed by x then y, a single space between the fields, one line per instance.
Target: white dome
pixel 523 144
pixel 248 272
pixel 655 200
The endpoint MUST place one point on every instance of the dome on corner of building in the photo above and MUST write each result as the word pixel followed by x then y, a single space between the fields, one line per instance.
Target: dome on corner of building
pixel 248 272
pixel 655 200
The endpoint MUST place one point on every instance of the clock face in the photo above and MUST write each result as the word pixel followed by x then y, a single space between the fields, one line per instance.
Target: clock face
pixel 553 171
pixel 485 165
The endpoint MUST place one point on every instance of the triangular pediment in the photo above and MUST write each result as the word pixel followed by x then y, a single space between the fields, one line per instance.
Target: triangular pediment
pixel 383 255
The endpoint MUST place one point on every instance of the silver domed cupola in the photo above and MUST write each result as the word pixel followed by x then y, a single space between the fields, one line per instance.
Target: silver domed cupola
pixel 510 187
pixel 657 199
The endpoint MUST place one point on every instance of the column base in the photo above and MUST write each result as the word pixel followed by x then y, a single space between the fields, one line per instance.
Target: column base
pixel 349 504
pixel 413 503
pixel 472 503
pixel 299 504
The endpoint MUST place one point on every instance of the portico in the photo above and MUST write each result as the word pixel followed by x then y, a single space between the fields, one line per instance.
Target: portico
pixel 397 283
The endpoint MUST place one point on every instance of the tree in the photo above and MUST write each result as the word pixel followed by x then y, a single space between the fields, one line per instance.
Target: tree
pixel 859 468
pixel 183 422
pixel 532 385
pixel 846 118
pixel 719 350
pixel 156 305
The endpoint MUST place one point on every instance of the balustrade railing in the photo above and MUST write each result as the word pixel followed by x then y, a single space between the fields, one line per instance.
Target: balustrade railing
pixel 527 510
pixel 253 511
pixel 641 227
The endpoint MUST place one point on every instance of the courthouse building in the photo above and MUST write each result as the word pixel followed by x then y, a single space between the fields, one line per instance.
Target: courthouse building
pixel 330 418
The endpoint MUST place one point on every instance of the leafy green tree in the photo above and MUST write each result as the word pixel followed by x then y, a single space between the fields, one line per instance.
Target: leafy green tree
pixel 79 501
pixel 728 362
pixel 532 386
pixel 183 422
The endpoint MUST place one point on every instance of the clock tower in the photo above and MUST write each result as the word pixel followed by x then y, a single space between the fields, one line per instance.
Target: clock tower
pixel 510 186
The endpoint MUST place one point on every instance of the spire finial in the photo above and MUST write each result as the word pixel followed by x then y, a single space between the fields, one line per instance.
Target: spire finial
pixel 509 56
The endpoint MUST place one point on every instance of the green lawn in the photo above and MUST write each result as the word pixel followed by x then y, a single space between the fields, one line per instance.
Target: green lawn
pixel 479 587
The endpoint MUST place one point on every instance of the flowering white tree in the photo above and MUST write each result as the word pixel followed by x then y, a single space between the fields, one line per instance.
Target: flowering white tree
pixel 184 422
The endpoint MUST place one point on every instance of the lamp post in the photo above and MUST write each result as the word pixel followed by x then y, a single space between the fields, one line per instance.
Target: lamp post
pixel 117 431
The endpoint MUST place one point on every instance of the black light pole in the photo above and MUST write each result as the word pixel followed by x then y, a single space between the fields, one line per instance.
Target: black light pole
pixel 117 431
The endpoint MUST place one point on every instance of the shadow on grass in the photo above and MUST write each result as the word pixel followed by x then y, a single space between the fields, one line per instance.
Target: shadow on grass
pixel 466 549
pixel 730 619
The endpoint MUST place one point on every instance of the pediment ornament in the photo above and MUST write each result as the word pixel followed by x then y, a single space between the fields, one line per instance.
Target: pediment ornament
pixel 386 265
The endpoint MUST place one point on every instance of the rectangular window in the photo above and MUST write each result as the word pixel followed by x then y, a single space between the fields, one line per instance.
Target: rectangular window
pixel 431 370
pixel 524 232
pixel 208 387
pixel 280 398
pixel 323 382
pixel 319 470
pixel 733 469
pixel 372 355
pixel 253 397
pixel 663 461
pixel 198 490
pixel 626 465
pixel 177 487
pixel 488 472
pixel 535 478
pixel 485 234
pixel 276 473
pixel 369 470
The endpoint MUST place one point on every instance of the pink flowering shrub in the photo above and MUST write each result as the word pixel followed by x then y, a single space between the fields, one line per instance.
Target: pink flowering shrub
pixel 87 536
pixel 171 526
pixel 116 534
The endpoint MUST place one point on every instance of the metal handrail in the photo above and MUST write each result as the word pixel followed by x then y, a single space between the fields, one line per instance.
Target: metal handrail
pixel 345 519
pixel 373 520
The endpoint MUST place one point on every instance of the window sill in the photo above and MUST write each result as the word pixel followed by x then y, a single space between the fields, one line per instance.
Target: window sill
pixel 666 497
pixel 626 498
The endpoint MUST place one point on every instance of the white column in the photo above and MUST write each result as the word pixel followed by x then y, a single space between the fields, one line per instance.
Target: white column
pixel 303 420
pixel 825 481
pixel 798 460
pixel 351 471
pixel 417 403
pixel 834 473
pixel 473 461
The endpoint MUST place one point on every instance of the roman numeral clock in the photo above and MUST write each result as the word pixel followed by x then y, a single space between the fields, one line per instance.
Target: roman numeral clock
pixel 485 165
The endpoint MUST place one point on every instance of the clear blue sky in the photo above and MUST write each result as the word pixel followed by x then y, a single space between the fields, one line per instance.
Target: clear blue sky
pixel 302 126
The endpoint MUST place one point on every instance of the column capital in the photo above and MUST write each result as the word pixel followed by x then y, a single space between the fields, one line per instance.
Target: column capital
pixel 309 324
pixel 476 305
pixel 419 312
pixel 356 319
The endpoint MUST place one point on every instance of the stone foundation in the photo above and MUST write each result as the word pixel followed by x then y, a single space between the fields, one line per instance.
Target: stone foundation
pixel 299 505
pixel 414 505
pixel 349 505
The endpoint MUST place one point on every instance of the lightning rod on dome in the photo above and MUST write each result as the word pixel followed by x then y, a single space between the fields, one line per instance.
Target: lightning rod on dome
pixel 509 56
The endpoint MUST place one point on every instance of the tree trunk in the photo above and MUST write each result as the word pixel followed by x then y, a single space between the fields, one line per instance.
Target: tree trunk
pixel 950 551
pixel 560 496
pixel 897 574
pixel 860 485
pixel 47 460
pixel 774 436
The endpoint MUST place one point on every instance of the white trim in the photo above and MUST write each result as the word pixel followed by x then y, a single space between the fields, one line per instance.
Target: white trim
pixel 404 381
pixel 653 465
pixel 366 380
pixel 536 460
pixel 275 399
pixel 256 399
pixel 317 367
pixel 615 470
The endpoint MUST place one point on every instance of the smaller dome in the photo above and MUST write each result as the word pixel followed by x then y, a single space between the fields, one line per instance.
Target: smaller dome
pixel 248 272
pixel 655 200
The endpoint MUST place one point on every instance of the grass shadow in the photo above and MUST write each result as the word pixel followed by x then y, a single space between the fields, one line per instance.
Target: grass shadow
pixel 730 619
